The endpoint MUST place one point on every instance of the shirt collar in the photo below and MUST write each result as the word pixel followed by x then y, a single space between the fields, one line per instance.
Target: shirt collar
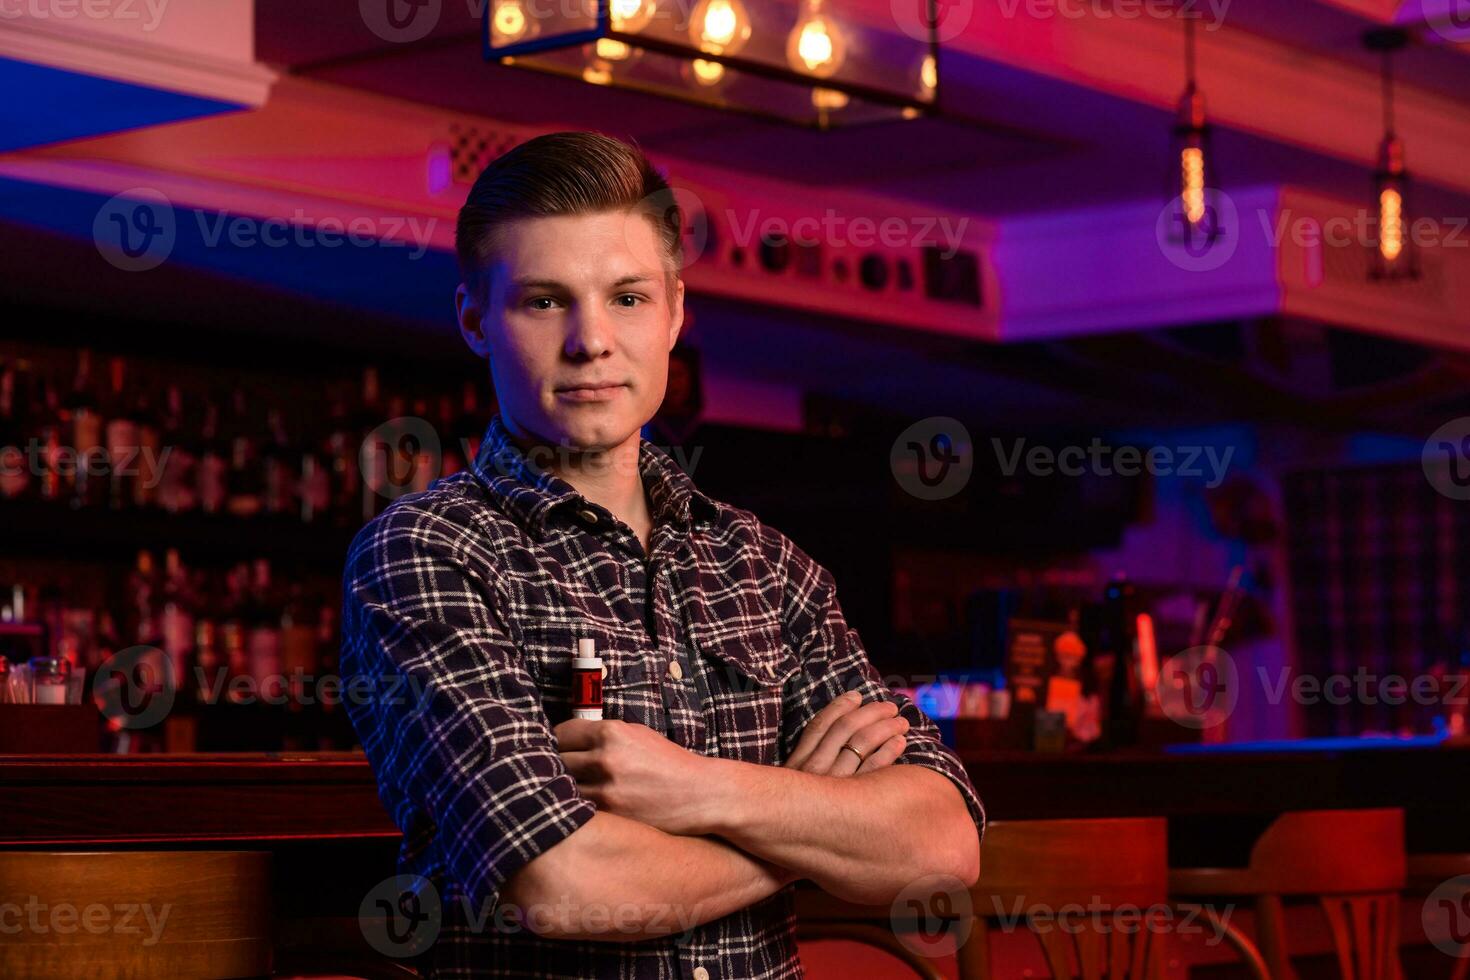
pixel 533 496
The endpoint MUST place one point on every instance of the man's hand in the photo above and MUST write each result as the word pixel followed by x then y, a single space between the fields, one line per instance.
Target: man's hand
pixel 635 772
pixel 875 729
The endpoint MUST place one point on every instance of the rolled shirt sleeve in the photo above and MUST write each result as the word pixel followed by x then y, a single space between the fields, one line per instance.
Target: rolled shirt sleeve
pixel 444 706
pixel 833 661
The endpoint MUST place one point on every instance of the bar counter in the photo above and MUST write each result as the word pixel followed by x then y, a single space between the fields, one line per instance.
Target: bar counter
pixel 99 800
pixel 331 843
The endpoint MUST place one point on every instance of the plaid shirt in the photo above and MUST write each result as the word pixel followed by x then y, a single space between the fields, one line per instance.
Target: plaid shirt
pixel 726 637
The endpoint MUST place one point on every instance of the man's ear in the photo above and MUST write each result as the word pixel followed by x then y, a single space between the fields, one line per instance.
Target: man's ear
pixel 471 320
pixel 676 322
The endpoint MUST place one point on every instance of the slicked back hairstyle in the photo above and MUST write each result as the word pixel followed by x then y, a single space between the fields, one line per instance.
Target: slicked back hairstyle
pixel 564 173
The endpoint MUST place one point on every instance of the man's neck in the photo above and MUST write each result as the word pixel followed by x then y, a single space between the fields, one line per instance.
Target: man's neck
pixel 609 478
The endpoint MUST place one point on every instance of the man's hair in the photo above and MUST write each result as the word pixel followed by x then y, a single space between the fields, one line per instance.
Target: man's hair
pixel 561 174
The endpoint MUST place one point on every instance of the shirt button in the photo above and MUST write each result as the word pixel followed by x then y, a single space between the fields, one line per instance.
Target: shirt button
pixel 700 973
pixel 604 671
pixel 588 515
pixel 675 671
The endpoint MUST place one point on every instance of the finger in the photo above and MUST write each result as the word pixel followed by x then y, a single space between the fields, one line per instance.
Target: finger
pixel 846 763
pixel 577 734
pixel 864 743
pixel 871 736
pixel 587 768
pixel 812 734
pixel 885 754
pixel 825 754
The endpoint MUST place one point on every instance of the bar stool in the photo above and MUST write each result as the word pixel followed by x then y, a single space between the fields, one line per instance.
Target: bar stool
pixel 116 914
pixel 821 916
pixel 1350 861
pixel 1110 864
pixel 1426 872
pixel 1044 866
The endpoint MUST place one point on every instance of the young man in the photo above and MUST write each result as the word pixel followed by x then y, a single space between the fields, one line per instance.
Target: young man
pixel 748 741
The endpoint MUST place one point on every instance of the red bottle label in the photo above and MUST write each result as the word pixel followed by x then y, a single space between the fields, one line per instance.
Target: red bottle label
pixel 586 688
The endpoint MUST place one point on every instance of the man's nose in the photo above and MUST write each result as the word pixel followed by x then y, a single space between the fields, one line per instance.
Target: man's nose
pixel 589 331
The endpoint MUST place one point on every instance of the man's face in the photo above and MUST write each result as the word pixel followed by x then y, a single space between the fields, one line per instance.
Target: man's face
pixel 576 301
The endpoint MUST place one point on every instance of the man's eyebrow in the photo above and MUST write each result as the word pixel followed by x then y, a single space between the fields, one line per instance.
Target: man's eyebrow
pixel 531 283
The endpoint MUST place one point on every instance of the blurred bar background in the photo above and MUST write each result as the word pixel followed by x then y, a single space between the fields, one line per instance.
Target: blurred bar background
pixel 1112 356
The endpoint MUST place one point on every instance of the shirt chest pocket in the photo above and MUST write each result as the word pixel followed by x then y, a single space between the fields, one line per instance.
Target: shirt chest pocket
pixel 629 692
pixel 749 674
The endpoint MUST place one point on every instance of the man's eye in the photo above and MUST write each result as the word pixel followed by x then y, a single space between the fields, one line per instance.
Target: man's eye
pixel 634 297
pixel 541 303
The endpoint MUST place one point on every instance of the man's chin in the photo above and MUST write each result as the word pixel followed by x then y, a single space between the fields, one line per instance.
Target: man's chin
pixel 599 435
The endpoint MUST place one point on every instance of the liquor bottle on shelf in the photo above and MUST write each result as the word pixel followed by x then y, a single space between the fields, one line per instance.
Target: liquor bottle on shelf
pixel 245 488
pixel 298 656
pixel 263 632
pixel 340 453
pixel 314 482
pixel 120 437
pixel 15 461
pixel 144 589
pixel 278 465
pixel 53 481
pixel 154 671
pixel 81 419
pixel 206 687
pixel 213 467
pixel 178 484
pixel 176 612
pixel 151 459
pixel 235 621
pixel 374 443
pixel 266 657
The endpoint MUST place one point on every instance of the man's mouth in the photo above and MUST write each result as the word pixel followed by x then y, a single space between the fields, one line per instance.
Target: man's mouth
pixel 591 392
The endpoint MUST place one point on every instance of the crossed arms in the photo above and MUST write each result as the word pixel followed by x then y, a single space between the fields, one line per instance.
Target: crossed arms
pixel 613 815
pixel 677 829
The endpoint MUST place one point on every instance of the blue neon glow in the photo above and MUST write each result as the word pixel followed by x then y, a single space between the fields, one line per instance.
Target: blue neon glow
pixel 1346 744
pixel 49 105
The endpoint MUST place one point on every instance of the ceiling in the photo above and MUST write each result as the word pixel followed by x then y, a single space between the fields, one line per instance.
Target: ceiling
pixel 1014 141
